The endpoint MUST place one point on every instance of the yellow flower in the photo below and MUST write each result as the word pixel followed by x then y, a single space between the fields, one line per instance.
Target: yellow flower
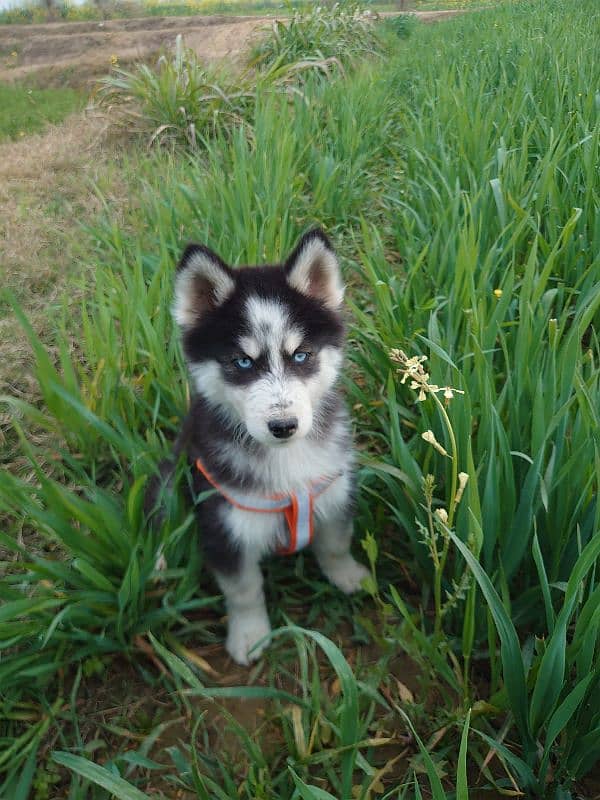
pixel 114 60
pixel 498 293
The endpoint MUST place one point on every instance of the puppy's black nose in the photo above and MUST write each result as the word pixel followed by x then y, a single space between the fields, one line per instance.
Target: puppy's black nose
pixel 283 428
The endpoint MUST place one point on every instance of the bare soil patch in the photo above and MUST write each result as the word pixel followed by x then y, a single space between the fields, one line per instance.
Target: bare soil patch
pixel 51 50
pixel 47 51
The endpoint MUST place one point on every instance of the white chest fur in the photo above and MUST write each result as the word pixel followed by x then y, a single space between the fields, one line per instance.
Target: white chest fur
pixel 290 469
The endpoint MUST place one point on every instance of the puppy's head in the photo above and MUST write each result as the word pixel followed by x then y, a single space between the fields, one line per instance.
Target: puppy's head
pixel 263 344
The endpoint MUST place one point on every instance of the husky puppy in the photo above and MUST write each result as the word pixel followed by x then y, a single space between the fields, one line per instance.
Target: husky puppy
pixel 267 428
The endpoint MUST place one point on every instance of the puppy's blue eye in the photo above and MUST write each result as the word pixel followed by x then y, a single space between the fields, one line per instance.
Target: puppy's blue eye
pixel 300 357
pixel 244 363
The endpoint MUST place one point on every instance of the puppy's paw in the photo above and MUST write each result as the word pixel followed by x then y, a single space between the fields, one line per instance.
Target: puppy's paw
pixel 244 631
pixel 347 574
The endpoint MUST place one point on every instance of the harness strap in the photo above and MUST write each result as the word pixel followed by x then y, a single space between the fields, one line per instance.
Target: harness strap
pixel 297 507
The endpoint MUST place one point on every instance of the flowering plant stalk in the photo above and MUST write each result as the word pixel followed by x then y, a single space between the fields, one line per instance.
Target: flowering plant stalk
pixel 411 369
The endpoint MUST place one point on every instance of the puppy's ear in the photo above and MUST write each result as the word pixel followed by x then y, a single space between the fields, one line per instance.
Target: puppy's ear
pixel 203 282
pixel 313 270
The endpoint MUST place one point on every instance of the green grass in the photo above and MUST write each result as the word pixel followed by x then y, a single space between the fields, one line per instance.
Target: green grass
pixel 178 100
pixel 461 193
pixel 328 35
pixel 28 110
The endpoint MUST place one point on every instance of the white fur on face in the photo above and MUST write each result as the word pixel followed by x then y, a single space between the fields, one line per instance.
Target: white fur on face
pixel 277 393
pixel 271 330
pixel 285 469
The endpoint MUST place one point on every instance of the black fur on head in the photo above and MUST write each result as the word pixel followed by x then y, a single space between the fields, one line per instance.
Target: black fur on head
pixel 210 297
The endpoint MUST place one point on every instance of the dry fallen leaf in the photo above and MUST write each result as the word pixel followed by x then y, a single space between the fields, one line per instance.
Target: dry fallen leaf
pixel 404 693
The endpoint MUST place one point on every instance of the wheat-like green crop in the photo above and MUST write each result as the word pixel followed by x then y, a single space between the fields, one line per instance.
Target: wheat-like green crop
pixel 459 178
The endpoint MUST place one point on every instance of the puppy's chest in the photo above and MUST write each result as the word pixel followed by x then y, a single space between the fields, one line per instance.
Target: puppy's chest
pixel 264 532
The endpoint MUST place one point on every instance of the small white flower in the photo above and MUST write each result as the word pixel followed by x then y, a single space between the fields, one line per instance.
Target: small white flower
pixel 442 515
pixel 429 437
pixel 462 482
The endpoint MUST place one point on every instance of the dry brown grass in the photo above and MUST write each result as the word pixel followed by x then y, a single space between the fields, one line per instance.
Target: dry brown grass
pixel 46 194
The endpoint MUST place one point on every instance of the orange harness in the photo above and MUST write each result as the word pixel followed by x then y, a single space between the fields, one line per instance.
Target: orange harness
pixel 297 507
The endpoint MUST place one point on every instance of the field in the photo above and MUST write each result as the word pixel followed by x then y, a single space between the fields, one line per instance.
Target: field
pixel 63 10
pixel 455 167
pixel 70 53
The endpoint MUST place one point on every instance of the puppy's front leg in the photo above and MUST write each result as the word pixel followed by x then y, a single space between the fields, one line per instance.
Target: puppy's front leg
pixel 248 621
pixel 332 549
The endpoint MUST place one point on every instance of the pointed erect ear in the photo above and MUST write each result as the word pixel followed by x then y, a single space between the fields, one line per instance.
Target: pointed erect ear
pixel 313 270
pixel 203 282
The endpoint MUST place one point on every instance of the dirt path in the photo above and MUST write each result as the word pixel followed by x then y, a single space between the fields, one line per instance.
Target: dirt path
pixel 85 49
